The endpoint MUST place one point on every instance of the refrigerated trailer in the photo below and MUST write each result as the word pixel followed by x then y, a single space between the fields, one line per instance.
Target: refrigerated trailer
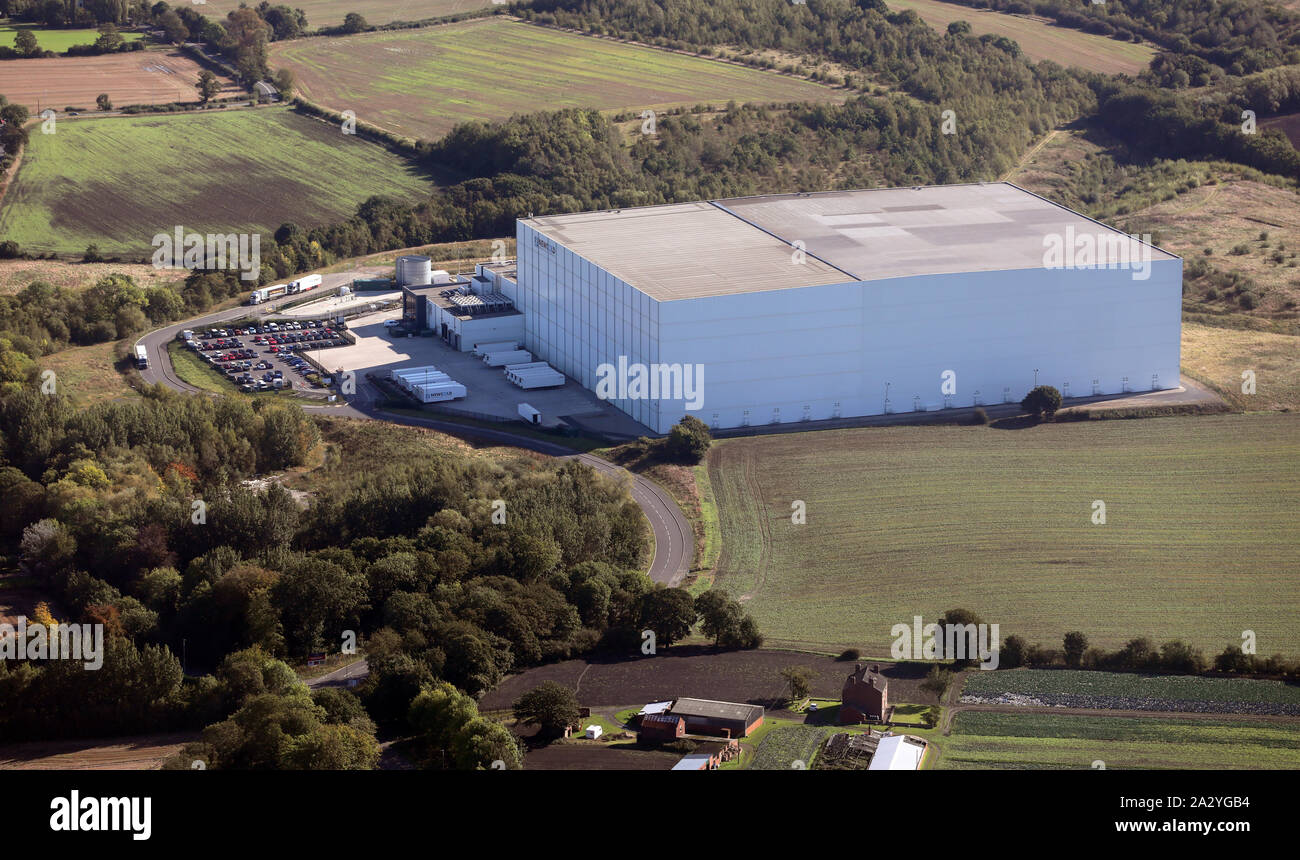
pixel 482 349
pixel 408 376
pixel 436 391
pixel 501 359
pixel 536 375
pixel 304 284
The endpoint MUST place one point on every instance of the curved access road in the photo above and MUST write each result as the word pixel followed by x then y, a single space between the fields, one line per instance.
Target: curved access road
pixel 674 540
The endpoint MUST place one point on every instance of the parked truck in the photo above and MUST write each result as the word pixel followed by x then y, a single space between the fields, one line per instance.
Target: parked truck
pixel 304 284
pixel 266 293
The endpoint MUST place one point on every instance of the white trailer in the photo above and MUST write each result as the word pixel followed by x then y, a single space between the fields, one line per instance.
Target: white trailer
pixel 481 349
pixel 533 376
pixel 434 392
pixel 415 375
pixel 302 285
pixel 529 414
pixel 501 359
pixel 141 357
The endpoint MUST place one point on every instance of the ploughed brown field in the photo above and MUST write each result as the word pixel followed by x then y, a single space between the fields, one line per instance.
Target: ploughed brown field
pixel 139 77
pixel 700 672
pixel 145 752
pixel 591 757
pixel 1288 124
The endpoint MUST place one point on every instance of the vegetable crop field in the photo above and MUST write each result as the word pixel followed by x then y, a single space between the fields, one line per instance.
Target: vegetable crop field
pixel 1128 691
pixel 1037 37
pixel 117 182
pixel 785 747
pixel 420 83
pixel 984 741
pixel 1199 541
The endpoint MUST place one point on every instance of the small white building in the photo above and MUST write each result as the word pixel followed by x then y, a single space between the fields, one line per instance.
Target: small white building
pixel 898 752
pixel 694 761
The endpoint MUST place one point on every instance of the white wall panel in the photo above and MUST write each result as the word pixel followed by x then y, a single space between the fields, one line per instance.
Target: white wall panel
pixel 828 351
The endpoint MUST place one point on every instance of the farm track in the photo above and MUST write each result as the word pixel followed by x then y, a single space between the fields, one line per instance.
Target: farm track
pixel 1025 159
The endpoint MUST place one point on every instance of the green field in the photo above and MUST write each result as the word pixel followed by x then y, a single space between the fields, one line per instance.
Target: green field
pixel 1037 37
pixel 982 741
pixel 419 83
pixel 1124 690
pixel 119 181
pixel 1200 541
pixel 329 13
pixel 55 40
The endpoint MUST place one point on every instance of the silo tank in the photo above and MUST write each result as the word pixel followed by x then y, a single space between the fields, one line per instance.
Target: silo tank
pixel 414 271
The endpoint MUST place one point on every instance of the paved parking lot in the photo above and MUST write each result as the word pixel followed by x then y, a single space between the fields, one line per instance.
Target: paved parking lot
pixel 331 306
pixel 490 393
pixel 255 358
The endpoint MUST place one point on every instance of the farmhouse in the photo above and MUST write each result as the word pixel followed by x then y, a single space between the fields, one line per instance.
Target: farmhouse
pixel 795 307
pixel 707 717
pixel 865 696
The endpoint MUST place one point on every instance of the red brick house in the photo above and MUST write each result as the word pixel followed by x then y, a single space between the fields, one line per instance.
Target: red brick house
pixel 865 696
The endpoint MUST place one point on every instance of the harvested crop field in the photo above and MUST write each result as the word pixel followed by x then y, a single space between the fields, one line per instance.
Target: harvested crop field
pixel 117 182
pixel 420 83
pixel 138 77
pixel 597 756
pixel 146 752
pixel 328 13
pixel 1133 692
pixel 1037 37
pixel 983 741
pixel 16 275
pixel 1199 542
pixel 684 670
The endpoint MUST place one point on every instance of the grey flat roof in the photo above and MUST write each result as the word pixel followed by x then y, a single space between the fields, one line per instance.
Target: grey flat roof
pixel 746 244
pixel 685 707
pixel 685 251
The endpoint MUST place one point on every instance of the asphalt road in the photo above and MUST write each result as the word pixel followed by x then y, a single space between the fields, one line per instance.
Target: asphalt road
pixel 355 672
pixel 674 543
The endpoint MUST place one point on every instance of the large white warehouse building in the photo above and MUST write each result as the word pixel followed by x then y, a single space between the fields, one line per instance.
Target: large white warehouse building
pixel 832 305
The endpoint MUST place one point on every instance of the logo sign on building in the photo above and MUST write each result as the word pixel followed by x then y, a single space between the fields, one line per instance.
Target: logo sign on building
pixel 545 244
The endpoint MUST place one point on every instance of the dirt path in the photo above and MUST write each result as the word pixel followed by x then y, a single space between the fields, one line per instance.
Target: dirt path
pixel 1033 150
